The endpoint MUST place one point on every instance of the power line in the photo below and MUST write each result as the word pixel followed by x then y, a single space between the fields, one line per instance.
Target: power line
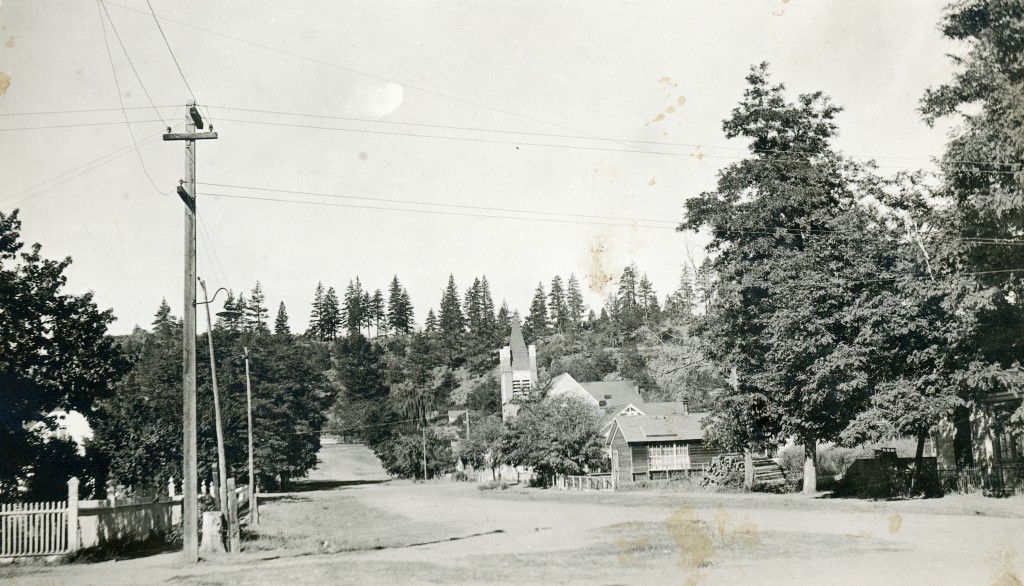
pixel 610 220
pixel 435 204
pixel 82 170
pixel 436 212
pixel 83 111
pixel 81 125
pixel 117 86
pixel 129 58
pixel 170 50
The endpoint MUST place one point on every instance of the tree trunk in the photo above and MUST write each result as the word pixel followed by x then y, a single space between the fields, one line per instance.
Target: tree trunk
pixel 915 481
pixel 810 466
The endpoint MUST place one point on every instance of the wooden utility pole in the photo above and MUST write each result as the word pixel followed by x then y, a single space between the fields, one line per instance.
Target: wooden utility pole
pixel 424 454
pixel 254 511
pixel 187 190
pixel 222 468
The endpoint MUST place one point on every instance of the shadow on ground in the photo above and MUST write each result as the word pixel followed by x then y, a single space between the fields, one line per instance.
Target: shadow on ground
pixel 314 485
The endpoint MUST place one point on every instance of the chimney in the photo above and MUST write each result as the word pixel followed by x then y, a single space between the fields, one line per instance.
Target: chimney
pixel 686 406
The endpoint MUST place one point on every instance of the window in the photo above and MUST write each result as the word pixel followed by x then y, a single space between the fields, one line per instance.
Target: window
pixel 669 456
pixel 520 388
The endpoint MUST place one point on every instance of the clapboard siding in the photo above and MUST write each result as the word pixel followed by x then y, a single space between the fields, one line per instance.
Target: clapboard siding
pixel 641 462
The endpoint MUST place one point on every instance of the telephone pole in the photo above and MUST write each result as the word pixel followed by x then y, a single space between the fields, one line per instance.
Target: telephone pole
pixel 254 511
pixel 222 495
pixel 187 191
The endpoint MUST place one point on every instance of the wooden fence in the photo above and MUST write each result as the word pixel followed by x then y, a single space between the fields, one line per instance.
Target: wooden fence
pixel 596 482
pixel 59 527
pixel 33 529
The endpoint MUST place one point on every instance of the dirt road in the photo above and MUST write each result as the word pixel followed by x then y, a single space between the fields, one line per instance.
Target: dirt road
pixel 389 533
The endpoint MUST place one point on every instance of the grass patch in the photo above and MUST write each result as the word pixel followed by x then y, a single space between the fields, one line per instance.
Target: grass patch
pixel 331 523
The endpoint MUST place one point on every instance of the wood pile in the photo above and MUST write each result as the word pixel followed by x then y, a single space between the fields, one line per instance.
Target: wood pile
pixel 724 470
pixel 727 470
pixel 768 474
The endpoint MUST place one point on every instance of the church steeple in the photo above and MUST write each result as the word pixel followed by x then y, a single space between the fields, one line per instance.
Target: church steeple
pixel 518 370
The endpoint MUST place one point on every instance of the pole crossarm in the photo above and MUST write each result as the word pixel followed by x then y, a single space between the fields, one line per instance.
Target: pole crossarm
pixel 190 135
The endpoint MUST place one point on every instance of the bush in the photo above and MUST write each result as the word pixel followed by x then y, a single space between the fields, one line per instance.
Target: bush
pixel 494 485
pixel 460 476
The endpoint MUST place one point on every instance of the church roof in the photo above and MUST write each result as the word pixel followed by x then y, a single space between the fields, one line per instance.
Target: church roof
pixel 520 355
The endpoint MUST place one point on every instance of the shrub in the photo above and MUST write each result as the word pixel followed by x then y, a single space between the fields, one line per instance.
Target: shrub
pixel 493 485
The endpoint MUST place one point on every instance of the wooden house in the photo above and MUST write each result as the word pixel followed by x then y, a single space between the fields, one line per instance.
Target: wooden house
pixel 657 441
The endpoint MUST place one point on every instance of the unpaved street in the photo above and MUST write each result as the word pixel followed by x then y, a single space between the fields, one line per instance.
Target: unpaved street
pixel 385 533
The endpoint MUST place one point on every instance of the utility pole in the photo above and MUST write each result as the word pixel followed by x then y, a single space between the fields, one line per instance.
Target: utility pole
pixel 254 511
pixel 187 190
pixel 222 469
pixel 424 454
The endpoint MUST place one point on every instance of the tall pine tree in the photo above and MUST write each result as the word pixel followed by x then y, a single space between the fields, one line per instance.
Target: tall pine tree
pixel 281 322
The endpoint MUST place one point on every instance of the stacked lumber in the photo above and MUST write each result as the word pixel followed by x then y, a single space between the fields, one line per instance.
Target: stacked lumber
pixel 725 470
pixel 768 473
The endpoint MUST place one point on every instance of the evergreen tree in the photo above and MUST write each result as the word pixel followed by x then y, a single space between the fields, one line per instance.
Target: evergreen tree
pixel 399 315
pixel 451 322
pixel 353 308
pixel 241 312
pixel 366 303
pixel 680 304
pixel 377 309
pixel 536 323
pixel 316 313
pixel 281 322
pixel 488 321
pixel 558 307
pixel 574 299
pixel 504 322
pixel 164 322
pixel 256 312
pixel 647 299
pixel 431 325
pixel 472 309
pixel 331 321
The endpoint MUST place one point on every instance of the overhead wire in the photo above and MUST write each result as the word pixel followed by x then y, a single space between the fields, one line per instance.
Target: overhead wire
pixel 436 212
pixel 81 125
pixel 117 86
pixel 169 50
pixel 432 204
pixel 129 58
pixel 77 171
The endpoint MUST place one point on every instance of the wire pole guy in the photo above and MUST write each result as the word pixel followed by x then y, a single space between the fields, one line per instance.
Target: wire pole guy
pixel 187 190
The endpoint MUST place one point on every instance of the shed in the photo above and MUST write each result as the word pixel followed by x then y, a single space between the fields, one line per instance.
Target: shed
pixel 657 447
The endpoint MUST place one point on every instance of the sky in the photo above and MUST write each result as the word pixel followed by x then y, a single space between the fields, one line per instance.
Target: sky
pixel 512 139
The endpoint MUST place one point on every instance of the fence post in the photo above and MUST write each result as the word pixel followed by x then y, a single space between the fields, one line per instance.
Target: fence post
pixel 170 487
pixel 73 514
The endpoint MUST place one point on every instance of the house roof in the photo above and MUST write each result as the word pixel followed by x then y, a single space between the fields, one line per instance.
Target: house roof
pixel 615 393
pixel 662 409
pixel 520 355
pixel 640 428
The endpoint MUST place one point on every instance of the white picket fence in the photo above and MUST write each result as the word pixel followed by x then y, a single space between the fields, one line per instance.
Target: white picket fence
pixel 32 529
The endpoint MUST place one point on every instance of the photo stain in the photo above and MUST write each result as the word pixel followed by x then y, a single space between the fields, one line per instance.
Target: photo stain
pixel 10 42
pixel 895 522
pixel 671 109
pixel 1004 564
pixel 698 154
pixel 5 83
pixel 699 542
pixel 598 274
pixel 652 182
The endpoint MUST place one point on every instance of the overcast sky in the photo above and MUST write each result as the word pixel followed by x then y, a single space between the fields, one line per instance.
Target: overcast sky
pixel 475 108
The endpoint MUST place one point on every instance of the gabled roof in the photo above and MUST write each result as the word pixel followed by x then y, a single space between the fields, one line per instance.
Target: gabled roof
pixel 520 355
pixel 642 429
pixel 661 409
pixel 615 393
